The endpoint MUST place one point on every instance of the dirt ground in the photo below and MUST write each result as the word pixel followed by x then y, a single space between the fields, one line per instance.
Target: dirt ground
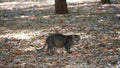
pixel 24 27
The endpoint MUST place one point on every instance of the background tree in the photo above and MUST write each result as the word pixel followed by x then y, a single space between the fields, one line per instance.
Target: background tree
pixel 61 7
pixel 105 1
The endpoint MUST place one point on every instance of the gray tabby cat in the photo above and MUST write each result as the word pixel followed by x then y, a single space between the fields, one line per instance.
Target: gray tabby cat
pixel 60 40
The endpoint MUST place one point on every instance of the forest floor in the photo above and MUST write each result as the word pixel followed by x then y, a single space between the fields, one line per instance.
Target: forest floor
pixel 25 26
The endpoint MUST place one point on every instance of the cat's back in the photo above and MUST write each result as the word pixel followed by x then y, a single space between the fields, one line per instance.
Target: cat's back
pixel 55 37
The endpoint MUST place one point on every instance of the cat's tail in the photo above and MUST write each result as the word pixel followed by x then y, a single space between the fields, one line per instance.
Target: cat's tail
pixel 41 48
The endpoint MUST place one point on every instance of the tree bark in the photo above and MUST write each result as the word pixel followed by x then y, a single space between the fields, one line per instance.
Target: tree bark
pixel 61 7
pixel 105 1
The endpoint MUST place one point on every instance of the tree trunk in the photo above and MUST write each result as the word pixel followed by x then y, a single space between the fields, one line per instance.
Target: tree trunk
pixel 105 1
pixel 61 7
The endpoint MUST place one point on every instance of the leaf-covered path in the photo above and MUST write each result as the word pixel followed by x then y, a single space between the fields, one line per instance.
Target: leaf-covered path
pixel 24 27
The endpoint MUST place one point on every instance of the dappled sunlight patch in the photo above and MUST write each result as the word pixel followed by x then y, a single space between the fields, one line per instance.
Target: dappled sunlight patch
pixel 29 49
pixel 23 34
pixel 118 15
pixel 84 35
pixel 24 16
pixel 48 16
pixel 12 5
pixel 17 36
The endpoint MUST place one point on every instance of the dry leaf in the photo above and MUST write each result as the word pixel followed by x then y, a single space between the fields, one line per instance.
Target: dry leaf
pixel 17 51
